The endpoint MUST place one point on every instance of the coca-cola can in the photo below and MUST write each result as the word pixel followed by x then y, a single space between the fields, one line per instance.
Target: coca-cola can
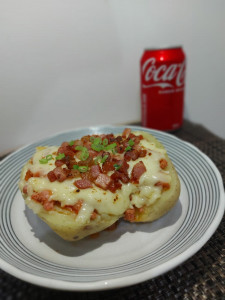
pixel 162 88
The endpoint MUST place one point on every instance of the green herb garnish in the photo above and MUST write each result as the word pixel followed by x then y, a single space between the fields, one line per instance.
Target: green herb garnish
pixel 79 148
pixel 105 142
pixel 128 148
pixel 131 142
pixel 49 157
pixel 84 152
pixel 46 159
pixel 97 160
pixel 60 156
pixel 104 158
pixel 97 147
pixel 84 155
pixel 97 141
pixel 81 169
pixel 110 146
pixel 43 161
pixel 116 166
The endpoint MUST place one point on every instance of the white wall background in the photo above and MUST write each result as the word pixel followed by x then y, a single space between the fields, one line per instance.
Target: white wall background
pixel 72 63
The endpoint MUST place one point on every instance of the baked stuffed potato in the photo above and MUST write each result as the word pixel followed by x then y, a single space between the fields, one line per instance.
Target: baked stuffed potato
pixel 86 185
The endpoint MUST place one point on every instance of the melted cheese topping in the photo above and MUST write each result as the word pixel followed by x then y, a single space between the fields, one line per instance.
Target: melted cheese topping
pixel 105 202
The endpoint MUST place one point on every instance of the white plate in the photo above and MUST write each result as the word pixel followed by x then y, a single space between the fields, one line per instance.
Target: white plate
pixel 133 253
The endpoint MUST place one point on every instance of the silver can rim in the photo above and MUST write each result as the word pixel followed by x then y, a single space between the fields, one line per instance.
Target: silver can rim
pixel 164 48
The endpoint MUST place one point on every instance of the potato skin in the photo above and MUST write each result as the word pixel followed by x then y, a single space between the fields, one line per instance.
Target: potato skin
pixel 168 198
pixel 65 225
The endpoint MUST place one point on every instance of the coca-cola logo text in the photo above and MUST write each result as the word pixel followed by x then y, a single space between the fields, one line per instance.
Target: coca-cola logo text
pixel 164 76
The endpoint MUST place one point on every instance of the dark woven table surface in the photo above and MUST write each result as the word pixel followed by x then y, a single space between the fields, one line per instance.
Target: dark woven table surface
pixel 200 277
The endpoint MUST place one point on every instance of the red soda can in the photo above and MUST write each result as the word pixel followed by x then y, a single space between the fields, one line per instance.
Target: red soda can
pixel 162 88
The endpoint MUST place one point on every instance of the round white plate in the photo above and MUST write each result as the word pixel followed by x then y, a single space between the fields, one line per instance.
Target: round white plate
pixel 132 253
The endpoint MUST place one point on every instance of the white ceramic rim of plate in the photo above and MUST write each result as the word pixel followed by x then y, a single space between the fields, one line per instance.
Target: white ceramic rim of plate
pixel 131 279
